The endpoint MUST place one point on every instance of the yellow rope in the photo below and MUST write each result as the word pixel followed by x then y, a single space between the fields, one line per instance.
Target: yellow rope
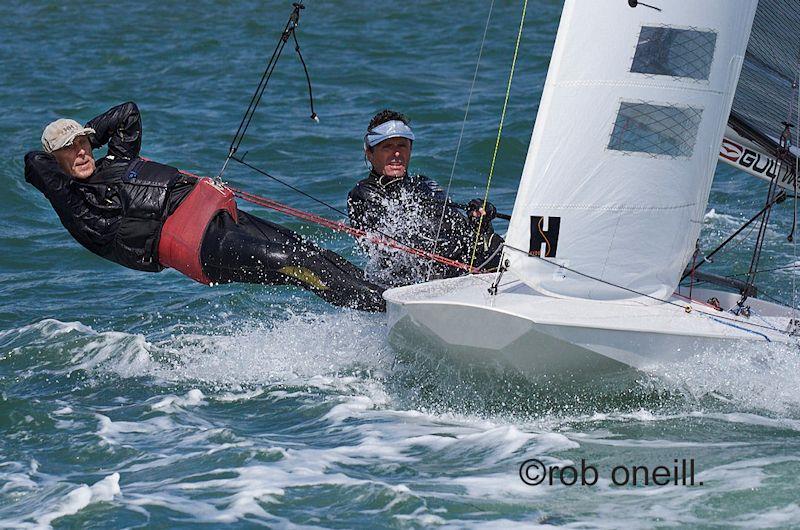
pixel 499 131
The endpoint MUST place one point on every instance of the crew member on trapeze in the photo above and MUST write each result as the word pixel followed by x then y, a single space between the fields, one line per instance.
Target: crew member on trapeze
pixel 148 216
pixel 416 211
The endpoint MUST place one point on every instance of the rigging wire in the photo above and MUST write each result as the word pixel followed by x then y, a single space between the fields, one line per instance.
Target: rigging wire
pixel 460 138
pixel 499 130
pixel 707 258
pixel 382 238
pixel 374 236
pixel 785 267
pixel 308 77
pixel 288 30
pixel 792 239
pixel 784 154
pixel 759 245
pixel 293 188
pixel 687 309
pixel 355 232
pixel 377 238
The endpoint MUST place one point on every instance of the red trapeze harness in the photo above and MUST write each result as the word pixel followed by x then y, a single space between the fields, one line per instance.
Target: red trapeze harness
pixel 183 231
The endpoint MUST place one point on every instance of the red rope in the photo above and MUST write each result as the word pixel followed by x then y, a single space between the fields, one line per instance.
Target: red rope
pixel 341 227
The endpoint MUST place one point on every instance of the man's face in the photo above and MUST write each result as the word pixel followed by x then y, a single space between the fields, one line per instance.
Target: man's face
pixel 76 160
pixel 391 157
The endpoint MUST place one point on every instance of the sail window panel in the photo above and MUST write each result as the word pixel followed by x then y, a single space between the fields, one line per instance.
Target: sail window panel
pixel 675 52
pixel 657 130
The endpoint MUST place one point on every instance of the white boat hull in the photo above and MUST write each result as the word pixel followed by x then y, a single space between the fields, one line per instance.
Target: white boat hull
pixel 546 338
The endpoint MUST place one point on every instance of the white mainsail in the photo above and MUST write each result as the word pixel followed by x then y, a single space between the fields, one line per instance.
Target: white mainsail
pixel 619 169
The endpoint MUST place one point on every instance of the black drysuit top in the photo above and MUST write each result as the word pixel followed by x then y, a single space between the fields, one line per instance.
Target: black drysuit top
pixel 100 213
pixel 410 209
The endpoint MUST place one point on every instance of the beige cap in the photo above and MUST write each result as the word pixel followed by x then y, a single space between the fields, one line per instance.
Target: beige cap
pixel 61 133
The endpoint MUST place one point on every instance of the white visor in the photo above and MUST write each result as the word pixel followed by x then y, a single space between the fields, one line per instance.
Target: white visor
pixel 386 130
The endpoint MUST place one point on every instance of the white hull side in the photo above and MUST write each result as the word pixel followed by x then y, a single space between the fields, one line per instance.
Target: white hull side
pixel 543 337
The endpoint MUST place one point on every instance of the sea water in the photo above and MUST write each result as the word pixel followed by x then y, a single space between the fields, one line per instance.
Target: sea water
pixel 133 400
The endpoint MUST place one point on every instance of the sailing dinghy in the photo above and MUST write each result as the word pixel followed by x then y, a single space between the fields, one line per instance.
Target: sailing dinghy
pixel 612 198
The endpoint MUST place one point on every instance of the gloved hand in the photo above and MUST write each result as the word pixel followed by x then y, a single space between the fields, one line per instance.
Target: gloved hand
pixel 474 213
pixel 474 210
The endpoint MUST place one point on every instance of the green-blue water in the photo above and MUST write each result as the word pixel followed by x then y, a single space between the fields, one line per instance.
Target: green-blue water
pixel 145 400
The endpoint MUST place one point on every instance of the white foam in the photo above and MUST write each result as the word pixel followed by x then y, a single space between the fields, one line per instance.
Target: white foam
pixel 380 437
pixel 354 407
pixel 225 446
pixel 501 487
pixel 102 491
pixel 338 362
pixel 323 350
pixel 712 215
pixel 549 442
pixel 14 477
pixel 235 497
pixel 741 475
pixel 123 353
pixel 300 350
pixel 48 328
pixel 243 396
pixel 174 403
pixel 752 419
pixel 784 517
pixel 503 524
pixel 126 353
pixel 112 432
pixel 422 517
pixel 755 375
pixel 728 221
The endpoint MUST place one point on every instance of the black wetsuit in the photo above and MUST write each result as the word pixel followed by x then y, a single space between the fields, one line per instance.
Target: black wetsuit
pixel 121 222
pixel 257 251
pixel 409 209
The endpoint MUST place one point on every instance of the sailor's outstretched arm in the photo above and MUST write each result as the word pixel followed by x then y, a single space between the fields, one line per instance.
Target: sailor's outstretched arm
pixel 121 128
pixel 43 172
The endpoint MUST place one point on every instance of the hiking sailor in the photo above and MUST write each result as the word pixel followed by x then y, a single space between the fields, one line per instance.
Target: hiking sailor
pixel 410 209
pixel 148 216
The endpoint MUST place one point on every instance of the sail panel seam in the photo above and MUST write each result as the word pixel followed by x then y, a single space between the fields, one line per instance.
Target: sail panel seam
pixel 626 83
pixel 610 208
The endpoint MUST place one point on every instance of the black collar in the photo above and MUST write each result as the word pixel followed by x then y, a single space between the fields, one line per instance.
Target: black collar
pixel 383 180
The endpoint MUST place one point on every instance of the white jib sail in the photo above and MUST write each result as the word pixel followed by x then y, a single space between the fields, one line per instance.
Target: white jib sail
pixel 626 141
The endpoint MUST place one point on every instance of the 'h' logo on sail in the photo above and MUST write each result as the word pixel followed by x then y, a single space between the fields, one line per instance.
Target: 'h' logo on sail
pixel 544 236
